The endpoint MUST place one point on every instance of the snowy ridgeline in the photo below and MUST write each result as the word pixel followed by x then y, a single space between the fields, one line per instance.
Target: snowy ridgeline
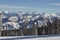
pixel 13 20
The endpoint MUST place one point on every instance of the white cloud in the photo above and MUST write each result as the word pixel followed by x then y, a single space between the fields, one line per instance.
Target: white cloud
pixel 57 4
pixel 17 8
pixel 13 8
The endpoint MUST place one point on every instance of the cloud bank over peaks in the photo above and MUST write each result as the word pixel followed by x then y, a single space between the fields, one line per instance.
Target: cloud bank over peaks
pixel 56 4
pixel 13 8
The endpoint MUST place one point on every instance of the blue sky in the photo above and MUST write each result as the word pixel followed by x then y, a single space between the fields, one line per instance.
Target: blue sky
pixel 50 6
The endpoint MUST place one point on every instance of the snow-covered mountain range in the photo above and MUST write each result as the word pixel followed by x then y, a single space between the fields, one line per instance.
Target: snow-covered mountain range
pixel 28 19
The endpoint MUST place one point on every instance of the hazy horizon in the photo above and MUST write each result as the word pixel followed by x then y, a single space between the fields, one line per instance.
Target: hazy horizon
pixel 51 6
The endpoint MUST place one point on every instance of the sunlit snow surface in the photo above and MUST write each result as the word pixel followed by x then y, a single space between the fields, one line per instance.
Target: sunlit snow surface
pixel 31 38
